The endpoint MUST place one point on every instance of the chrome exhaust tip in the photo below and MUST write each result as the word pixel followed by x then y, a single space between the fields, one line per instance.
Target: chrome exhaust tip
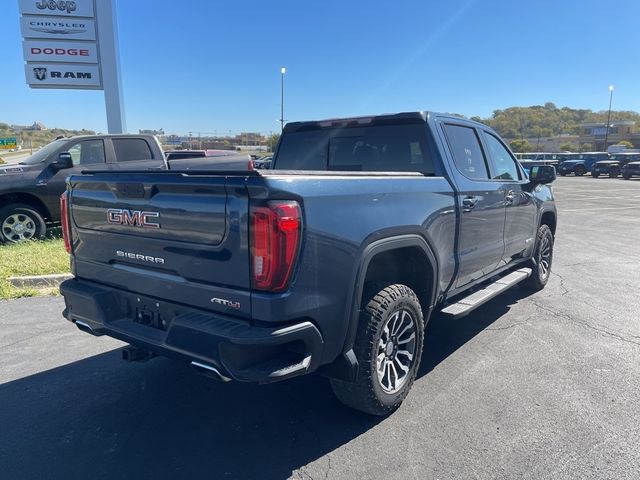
pixel 209 371
pixel 84 327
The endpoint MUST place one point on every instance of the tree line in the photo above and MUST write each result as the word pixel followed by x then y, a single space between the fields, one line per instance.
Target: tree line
pixel 547 120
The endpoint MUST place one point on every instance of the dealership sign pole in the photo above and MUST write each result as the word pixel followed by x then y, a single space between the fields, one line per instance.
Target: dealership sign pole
pixel 74 45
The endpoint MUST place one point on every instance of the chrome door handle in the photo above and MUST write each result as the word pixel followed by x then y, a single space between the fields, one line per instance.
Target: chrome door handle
pixel 508 199
pixel 468 203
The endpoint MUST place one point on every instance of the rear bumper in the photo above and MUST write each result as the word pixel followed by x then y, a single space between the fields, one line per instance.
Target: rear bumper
pixel 235 348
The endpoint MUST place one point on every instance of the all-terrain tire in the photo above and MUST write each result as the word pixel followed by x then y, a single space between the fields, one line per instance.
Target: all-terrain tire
pixel 21 222
pixel 390 331
pixel 542 260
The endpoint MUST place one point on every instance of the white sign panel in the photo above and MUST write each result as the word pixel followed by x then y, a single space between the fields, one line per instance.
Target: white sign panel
pixel 59 51
pixel 63 75
pixel 58 28
pixel 77 8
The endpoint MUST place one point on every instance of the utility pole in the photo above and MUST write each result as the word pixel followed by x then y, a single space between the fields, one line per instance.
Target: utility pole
pixel 283 70
pixel 606 137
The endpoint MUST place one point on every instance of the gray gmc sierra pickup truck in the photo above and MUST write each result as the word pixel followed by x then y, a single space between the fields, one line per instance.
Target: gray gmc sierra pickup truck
pixel 333 261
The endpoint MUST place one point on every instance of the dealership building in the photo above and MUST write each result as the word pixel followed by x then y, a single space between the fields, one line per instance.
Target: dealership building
pixel 595 133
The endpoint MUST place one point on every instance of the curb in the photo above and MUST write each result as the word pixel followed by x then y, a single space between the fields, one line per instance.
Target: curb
pixel 39 281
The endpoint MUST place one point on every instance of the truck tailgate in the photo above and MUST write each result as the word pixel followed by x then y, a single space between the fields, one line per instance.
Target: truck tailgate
pixel 173 236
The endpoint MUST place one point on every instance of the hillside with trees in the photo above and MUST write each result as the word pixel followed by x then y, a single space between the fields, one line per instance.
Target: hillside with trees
pixel 547 120
pixel 38 138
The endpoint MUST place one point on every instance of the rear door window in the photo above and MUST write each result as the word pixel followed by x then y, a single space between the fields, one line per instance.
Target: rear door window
pixel 130 149
pixel 467 152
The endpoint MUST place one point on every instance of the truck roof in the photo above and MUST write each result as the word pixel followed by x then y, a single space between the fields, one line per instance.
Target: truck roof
pixel 105 135
pixel 382 119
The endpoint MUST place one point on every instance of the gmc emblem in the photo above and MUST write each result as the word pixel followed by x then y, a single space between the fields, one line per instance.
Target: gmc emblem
pixel 133 218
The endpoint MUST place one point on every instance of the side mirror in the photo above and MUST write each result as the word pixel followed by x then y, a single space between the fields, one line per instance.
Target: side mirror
pixel 542 174
pixel 63 161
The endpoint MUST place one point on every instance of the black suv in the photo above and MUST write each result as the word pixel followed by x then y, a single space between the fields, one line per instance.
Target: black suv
pixel 606 167
pixel 631 169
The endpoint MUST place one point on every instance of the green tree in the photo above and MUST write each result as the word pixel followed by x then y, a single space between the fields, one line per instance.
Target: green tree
pixel 587 147
pixel 626 143
pixel 569 147
pixel 272 141
pixel 520 146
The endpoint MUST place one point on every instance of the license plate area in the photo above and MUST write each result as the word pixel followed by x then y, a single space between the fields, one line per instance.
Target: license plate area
pixel 151 314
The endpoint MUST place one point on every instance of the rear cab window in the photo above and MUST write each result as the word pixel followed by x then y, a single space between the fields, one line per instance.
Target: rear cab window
pixel 131 149
pixel 372 148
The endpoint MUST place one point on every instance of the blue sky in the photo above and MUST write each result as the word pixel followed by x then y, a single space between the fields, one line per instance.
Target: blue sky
pixel 214 66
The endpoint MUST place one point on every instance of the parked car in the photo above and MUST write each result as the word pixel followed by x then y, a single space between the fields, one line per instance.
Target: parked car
pixel 333 261
pixel 631 169
pixel 208 160
pixel 264 162
pixel 176 154
pixel 612 168
pixel 30 190
pixel 582 164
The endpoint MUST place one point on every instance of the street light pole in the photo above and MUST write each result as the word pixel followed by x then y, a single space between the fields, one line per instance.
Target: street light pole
pixel 606 136
pixel 283 70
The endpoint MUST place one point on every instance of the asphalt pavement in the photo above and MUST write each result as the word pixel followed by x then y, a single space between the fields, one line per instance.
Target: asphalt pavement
pixel 528 386
pixel 17 157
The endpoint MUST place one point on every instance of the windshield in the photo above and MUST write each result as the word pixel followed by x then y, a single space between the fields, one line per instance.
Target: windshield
pixel 42 154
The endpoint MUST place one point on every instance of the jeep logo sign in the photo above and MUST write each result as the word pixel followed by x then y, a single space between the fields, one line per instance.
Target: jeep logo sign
pixel 62 8
pixel 54 5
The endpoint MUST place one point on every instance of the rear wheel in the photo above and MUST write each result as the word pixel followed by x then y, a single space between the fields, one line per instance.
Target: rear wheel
pixel 595 174
pixel 626 176
pixel 388 347
pixel 613 173
pixel 542 259
pixel 19 223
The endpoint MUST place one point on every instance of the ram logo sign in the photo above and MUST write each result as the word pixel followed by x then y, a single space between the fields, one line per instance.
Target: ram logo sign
pixel 132 218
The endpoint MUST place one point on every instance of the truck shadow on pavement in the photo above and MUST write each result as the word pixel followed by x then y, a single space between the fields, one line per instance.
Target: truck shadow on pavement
pixel 101 417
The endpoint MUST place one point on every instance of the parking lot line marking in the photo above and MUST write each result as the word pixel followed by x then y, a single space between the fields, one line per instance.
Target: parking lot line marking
pixel 598 209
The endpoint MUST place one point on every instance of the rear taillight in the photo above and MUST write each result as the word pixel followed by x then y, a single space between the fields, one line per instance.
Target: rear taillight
pixel 64 219
pixel 275 239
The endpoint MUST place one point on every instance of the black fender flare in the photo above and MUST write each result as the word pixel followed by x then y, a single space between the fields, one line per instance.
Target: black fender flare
pixel 368 253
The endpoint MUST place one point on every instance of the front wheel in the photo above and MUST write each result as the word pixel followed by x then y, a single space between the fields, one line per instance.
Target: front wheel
pixel 595 174
pixel 626 176
pixel 614 173
pixel 388 347
pixel 541 261
pixel 580 171
pixel 19 223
